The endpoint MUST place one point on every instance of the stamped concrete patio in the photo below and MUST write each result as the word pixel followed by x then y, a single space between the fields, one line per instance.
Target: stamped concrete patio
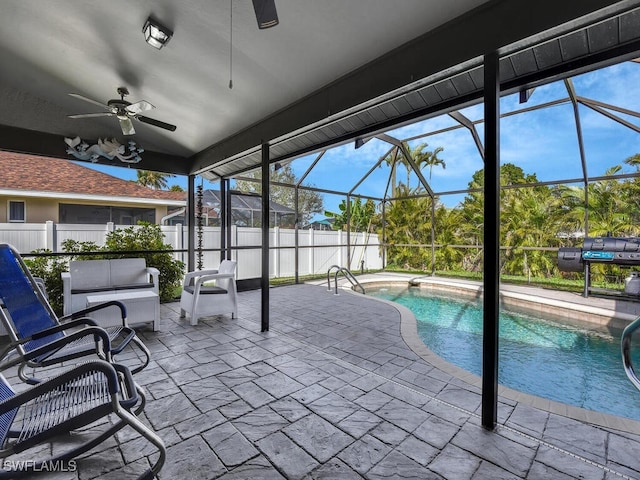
pixel 334 392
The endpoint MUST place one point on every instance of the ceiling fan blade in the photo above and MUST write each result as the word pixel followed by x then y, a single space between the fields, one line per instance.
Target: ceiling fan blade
pixel 157 123
pixel 90 115
pixel 95 102
pixel 266 13
pixel 127 126
pixel 139 107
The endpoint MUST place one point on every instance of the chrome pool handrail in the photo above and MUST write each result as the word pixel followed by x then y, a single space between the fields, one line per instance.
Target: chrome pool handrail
pixel 329 275
pixel 627 334
pixel 348 275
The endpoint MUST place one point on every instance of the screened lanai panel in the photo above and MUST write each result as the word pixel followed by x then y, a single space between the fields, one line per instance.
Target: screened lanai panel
pixel 345 166
pixel 542 142
pixel 603 94
pixel 607 144
pixel 458 159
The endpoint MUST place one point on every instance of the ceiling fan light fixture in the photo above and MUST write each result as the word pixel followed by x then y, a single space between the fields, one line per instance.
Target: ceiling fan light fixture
pixel 156 34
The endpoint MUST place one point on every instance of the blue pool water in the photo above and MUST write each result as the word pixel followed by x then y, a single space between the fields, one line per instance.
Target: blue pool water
pixel 567 363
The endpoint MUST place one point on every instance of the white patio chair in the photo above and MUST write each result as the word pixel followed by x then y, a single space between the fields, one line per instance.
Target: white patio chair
pixel 200 298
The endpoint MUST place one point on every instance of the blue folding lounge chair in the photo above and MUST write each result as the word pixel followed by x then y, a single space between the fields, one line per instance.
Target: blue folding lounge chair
pixel 38 338
pixel 80 397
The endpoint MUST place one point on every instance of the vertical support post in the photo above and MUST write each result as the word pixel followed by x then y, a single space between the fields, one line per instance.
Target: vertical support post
pixel 223 219
pixel 264 284
pixel 229 221
pixel 491 304
pixel 191 223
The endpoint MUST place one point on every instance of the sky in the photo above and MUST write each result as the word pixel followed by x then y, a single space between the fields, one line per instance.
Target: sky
pixel 541 142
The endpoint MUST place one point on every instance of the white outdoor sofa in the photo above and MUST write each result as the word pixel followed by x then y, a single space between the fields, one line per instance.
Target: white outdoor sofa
pixel 127 280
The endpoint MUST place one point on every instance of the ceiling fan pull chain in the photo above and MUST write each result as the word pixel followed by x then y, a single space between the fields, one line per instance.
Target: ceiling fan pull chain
pixel 230 44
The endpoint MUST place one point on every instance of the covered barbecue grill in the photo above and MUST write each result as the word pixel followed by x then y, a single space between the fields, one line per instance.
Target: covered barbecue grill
pixel 611 250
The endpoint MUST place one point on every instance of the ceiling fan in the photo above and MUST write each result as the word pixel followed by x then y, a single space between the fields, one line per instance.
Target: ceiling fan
pixel 125 111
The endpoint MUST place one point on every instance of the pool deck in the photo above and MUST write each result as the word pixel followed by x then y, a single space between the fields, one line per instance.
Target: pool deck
pixel 335 391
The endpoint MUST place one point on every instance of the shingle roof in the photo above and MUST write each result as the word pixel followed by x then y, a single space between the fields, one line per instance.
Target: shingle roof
pixel 33 173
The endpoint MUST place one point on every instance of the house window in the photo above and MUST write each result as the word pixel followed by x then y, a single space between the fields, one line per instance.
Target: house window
pixel 17 211
pixel 101 214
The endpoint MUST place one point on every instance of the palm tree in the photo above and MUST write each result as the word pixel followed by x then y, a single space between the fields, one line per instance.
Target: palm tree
pixel 155 180
pixel 428 158
pixel 420 157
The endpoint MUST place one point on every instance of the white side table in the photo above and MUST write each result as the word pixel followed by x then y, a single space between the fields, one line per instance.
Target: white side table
pixel 142 307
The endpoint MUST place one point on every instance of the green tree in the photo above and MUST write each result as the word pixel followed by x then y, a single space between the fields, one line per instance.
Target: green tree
pixel 155 180
pixel 527 219
pixel 408 225
pixel 607 207
pixel 50 270
pixel 309 202
pixel 362 215
pixel 428 158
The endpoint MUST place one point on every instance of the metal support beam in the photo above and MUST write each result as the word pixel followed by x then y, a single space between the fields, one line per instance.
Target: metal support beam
pixel 403 148
pixel 469 125
pixel 491 280
pixel 223 219
pixel 597 106
pixel 228 214
pixel 191 223
pixel 583 158
pixel 264 284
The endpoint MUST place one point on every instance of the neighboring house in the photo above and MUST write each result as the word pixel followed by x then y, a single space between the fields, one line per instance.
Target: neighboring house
pixel 37 189
pixel 322 224
pixel 246 210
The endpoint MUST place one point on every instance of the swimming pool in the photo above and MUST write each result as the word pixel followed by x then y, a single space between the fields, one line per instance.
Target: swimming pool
pixel 572 364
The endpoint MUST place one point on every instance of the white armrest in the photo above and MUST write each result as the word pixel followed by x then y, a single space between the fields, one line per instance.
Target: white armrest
pixel 155 274
pixel 66 293
pixel 199 273
pixel 213 276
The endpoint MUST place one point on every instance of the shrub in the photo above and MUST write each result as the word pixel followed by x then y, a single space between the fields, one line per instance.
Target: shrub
pixel 50 270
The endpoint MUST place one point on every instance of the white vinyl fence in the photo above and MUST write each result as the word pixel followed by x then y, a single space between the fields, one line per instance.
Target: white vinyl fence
pixel 317 250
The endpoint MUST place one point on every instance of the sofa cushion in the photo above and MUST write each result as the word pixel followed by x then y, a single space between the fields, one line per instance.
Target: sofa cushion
pixel 89 274
pixel 132 286
pixel 128 271
pixel 75 291
pixel 206 290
